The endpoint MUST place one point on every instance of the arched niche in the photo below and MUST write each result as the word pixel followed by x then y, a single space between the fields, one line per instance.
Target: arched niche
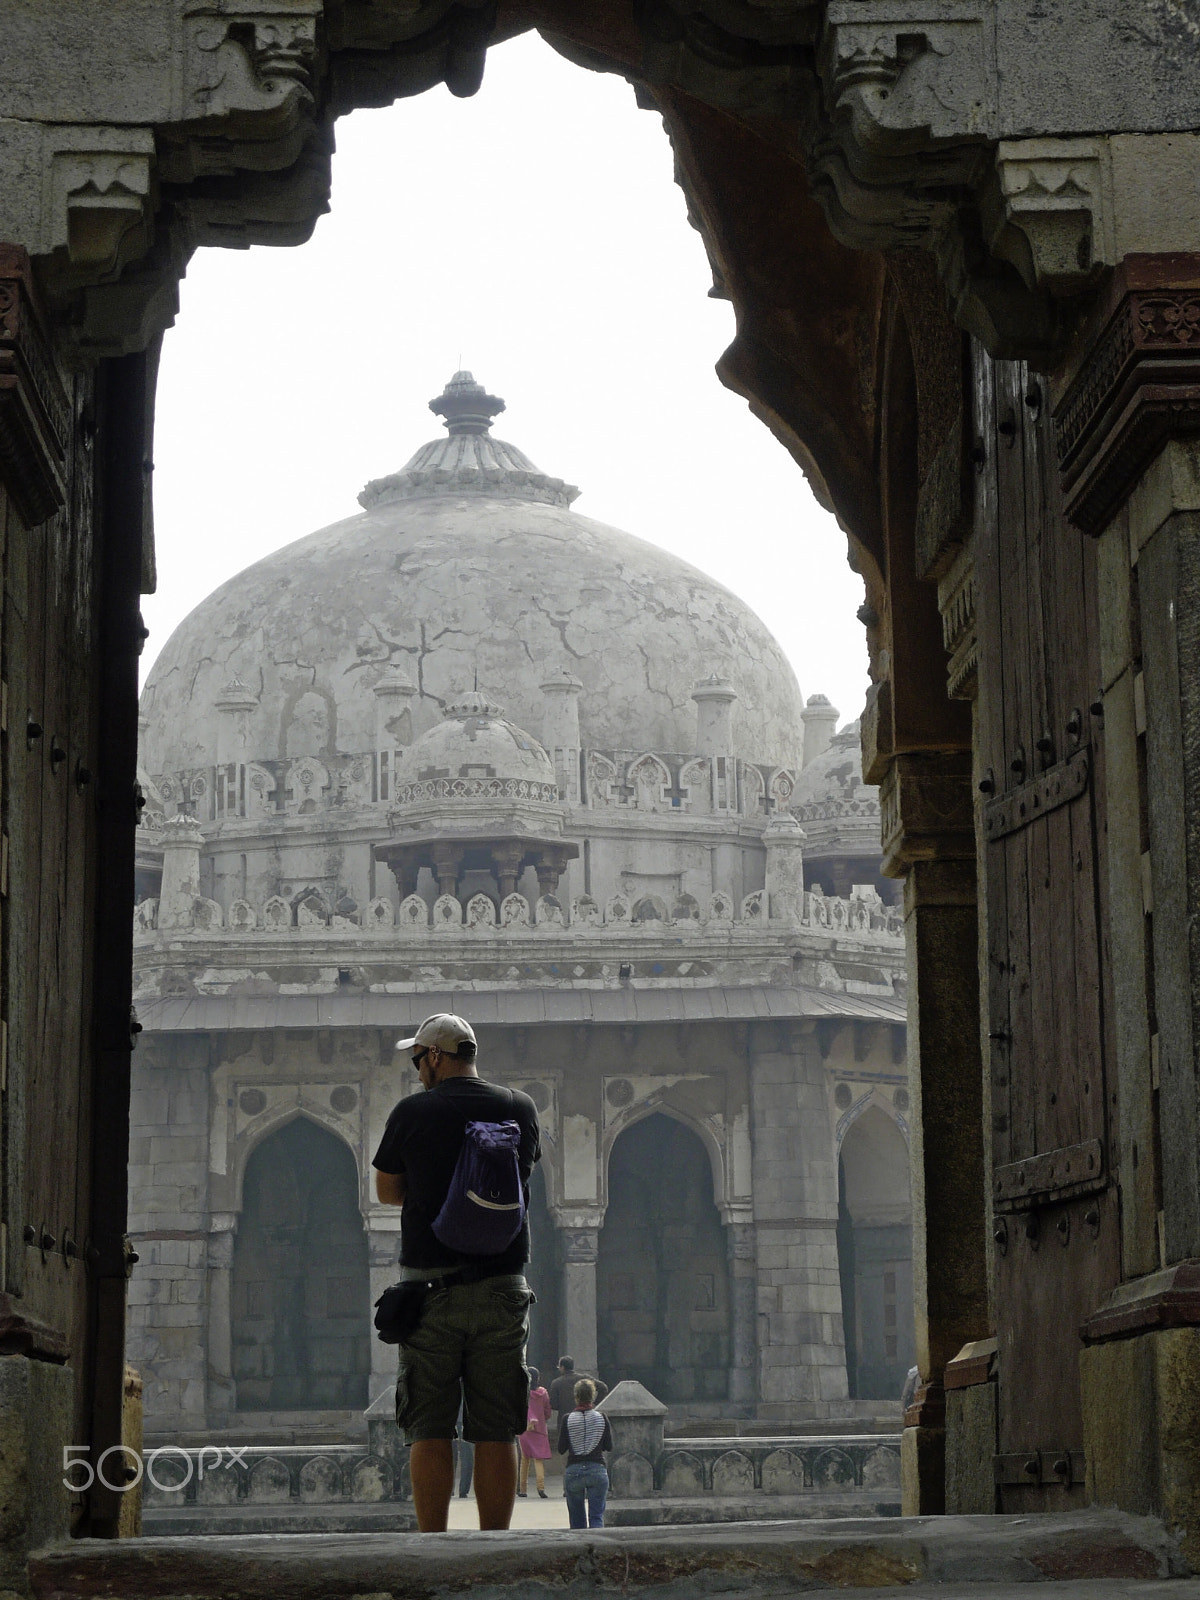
pixel 663 1312
pixel 707 1140
pixel 300 1292
pixel 875 1255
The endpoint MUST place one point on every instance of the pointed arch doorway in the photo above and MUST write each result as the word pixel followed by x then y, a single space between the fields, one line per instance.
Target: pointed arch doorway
pixel 662 1276
pixel 301 1289
pixel 875 1256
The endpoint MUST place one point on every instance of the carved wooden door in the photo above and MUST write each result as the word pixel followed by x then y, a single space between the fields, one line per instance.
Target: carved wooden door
pixel 1048 1006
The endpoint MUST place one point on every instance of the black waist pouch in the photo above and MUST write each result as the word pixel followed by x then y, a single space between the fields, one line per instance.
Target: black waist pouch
pixel 398 1312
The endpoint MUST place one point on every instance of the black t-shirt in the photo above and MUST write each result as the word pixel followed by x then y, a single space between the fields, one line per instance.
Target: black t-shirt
pixel 423 1137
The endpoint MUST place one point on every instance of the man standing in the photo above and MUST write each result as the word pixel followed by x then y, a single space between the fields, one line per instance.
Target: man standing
pixel 469 1346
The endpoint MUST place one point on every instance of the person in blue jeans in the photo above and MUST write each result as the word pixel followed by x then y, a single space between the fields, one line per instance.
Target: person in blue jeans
pixel 583 1437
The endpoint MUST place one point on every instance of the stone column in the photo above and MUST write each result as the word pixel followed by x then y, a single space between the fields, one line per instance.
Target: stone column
pixel 929 835
pixel 820 720
pixel 741 1250
pixel 784 841
pixel 580 1244
pixel 447 859
pixel 801 1349
pixel 506 863
pixel 182 842
pixel 383 1255
pixel 393 725
pixel 222 1391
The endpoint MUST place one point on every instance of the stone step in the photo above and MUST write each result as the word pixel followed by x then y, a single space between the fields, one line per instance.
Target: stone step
pixel 1100 1555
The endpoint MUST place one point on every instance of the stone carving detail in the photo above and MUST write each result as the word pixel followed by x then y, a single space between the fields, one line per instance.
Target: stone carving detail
pixel 476 789
pixel 481 911
pixel 380 914
pixel 585 913
pixel 447 914
pixel 752 907
pixel 145 916
pixel 96 197
pixel 720 908
pixel 260 791
pixel 686 909
pixel 602 775
pixel 514 911
pixel 650 781
pixel 277 913
pixel 754 791
pixel 307 784
pixel 581 1244
pixel 242 916
pixel 695 778
pixel 650 908
pixel 207 914
pixel 549 912
pixel 780 790
pixel 312 911
pixel 1139 386
pixel 1045 210
pixel 414 913
pixel 618 909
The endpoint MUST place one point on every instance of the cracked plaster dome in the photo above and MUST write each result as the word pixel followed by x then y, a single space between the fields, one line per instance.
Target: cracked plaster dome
pixel 467 565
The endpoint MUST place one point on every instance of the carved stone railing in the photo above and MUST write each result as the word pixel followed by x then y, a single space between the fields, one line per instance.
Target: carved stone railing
pixel 311 916
pixel 270 1475
pixel 783 1465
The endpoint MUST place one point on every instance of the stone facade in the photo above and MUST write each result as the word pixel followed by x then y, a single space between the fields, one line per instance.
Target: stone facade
pixel 634 931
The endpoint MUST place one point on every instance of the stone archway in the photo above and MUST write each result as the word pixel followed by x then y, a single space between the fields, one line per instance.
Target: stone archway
pixel 875 1256
pixel 300 1291
pixel 662 1289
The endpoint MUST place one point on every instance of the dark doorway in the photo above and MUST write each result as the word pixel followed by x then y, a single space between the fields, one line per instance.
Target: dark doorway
pixel 662 1285
pixel 301 1291
pixel 875 1256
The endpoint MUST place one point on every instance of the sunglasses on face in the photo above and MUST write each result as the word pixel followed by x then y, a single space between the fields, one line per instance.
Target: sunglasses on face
pixel 418 1057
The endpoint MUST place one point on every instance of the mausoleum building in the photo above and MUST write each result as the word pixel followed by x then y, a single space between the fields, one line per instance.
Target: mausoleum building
pixel 469 750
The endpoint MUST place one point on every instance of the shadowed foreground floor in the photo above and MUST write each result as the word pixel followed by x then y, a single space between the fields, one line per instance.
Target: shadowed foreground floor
pixel 1094 1555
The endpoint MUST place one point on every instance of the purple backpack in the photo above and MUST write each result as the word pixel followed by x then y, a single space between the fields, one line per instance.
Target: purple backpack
pixel 484 1208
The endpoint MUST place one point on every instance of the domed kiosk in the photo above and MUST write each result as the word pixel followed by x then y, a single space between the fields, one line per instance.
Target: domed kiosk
pixel 469 750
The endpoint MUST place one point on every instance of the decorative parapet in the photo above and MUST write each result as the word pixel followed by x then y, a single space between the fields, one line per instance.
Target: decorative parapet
pixel 434 789
pixel 862 916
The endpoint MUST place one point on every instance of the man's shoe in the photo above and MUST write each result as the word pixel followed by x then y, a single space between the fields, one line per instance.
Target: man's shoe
pixel 520 1494
pixel 542 1495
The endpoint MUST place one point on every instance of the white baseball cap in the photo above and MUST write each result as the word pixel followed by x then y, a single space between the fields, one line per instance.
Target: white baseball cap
pixel 444 1030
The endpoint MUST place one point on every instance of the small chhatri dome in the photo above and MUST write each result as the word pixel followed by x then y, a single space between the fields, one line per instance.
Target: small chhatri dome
pixel 475 753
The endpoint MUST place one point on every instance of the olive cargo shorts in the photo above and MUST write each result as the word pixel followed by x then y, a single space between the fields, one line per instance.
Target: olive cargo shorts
pixel 473 1333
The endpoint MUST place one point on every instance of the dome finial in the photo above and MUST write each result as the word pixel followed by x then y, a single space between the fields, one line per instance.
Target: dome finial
pixel 466 405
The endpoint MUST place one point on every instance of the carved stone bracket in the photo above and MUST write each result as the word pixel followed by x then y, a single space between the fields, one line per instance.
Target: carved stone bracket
pixel 1049 210
pixel 926 809
pixel 1138 386
pixel 34 411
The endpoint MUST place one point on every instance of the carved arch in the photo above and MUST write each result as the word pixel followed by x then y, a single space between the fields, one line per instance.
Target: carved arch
pixel 243 1145
pixel 713 1147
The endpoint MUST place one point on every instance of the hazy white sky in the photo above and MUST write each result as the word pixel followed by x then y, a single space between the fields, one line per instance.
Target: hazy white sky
pixel 533 234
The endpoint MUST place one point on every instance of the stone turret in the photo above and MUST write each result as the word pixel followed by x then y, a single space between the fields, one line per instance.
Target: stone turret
pixel 784 839
pixel 234 705
pixel 714 697
pixel 820 720
pixel 181 842
pixel 560 730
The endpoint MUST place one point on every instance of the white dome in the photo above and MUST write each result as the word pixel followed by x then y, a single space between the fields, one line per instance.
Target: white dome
pixel 467 567
pixel 473 745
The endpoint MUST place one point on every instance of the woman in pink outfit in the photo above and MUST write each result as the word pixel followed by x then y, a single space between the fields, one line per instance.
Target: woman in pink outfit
pixel 535 1441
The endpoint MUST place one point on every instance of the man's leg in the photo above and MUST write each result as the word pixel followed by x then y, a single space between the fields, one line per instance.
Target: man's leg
pixel 495 1482
pixel 431 1467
